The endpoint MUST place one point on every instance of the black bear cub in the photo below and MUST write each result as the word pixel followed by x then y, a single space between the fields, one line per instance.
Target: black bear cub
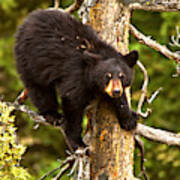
pixel 55 51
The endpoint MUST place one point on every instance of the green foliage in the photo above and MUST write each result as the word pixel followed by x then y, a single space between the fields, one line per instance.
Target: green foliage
pixel 7 5
pixel 10 151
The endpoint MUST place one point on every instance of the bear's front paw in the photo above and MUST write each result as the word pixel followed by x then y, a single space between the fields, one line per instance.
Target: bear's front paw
pixel 129 123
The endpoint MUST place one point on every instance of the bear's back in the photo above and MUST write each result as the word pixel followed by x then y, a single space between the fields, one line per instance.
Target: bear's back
pixel 47 41
pixel 53 26
pixel 50 41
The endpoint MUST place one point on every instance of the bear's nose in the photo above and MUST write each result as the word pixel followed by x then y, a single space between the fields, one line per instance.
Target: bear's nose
pixel 116 92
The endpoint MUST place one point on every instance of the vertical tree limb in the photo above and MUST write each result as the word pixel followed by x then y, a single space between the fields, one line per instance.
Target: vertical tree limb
pixel 56 4
pixel 144 92
pixel 111 150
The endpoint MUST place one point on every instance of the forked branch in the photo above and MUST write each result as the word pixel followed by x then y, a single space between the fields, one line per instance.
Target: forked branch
pixel 143 96
pixel 143 92
pixel 77 161
pixel 75 6
pixel 175 40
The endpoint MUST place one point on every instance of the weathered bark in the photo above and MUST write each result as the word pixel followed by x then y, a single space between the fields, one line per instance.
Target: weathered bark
pixel 111 147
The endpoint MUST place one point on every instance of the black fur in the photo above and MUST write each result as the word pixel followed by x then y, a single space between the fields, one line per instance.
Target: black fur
pixel 54 50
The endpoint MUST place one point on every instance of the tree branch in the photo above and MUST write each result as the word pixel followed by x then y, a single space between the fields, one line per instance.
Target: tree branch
pixel 140 145
pixel 62 172
pixel 75 6
pixel 33 115
pixel 158 135
pixel 175 39
pixel 157 5
pixel 56 4
pixel 144 92
pixel 65 163
pixel 153 44
pixel 143 96
pixel 143 130
pixel 38 119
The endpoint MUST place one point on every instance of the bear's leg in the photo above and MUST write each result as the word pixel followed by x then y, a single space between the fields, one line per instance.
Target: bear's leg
pixel 44 98
pixel 127 117
pixel 73 114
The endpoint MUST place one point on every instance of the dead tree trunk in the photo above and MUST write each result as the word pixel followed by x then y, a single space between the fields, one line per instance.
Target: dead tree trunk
pixel 111 147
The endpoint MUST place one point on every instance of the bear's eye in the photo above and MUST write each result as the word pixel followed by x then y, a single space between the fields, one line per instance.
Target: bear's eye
pixel 121 76
pixel 108 77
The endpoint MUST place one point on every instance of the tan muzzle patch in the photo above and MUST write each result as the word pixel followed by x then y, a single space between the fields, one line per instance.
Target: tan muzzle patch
pixel 114 86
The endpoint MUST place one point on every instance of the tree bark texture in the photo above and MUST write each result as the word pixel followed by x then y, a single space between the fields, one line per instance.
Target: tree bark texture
pixel 111 147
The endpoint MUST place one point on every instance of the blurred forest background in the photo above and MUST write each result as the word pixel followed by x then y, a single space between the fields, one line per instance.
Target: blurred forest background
pixel 45 145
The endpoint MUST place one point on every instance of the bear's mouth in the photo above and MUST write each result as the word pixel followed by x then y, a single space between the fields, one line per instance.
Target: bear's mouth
pixel 114 88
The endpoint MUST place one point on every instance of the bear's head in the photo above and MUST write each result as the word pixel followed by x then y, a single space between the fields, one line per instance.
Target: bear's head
pixel 113 75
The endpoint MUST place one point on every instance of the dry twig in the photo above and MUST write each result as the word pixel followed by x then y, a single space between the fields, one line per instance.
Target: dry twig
pixel 68 160
pixel 39 119
pixel 56 4
pixel 33 115
pixel 177 71
pixel 153 44
pixel 175 39
pixel 144 92
pixel 143 96
pixel 62 171
pixel 175 42
pixel 140 145
pixel 75 6
pixel 154 95
pixel 76 160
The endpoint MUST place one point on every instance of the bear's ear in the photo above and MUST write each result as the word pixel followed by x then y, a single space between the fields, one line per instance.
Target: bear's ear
pixel 131 58
pixel 94 58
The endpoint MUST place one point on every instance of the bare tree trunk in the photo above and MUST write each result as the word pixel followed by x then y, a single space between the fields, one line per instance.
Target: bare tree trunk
pixel 111 147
